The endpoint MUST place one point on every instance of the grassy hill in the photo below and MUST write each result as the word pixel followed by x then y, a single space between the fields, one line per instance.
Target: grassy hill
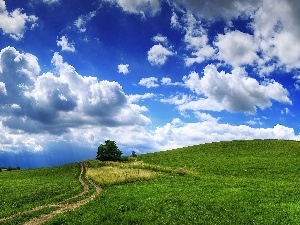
pixel 237 182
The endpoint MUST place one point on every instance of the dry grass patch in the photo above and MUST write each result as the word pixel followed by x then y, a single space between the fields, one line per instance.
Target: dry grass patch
pixel 109 175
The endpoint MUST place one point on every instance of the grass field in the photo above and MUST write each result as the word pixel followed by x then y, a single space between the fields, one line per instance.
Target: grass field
pixel 22 190
pixel 239 182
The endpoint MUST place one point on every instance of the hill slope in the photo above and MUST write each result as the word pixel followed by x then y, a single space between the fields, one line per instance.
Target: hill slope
pixel 255 158
pixel 239 182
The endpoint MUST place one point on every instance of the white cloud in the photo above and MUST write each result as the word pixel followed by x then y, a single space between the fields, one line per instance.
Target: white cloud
pixel 297 82
pixel 81 110
pixel 160 39
pixel 196 41
pixel 14 23
pixel 65 45
pixel 179 134
pixel 251 122
pixel 206 117
pixel 168 81
pixel 158 55
pixel 237 48
pixel 201 104
pixel 235 92
pixel 216 9
pixel 3 90
pixel 285 111
pixel 81 22
pixel 17 141
pixel 137 97
pixel 255 121
pixel 174 21
pixel 181 99
pixel 276 29
pixel 140 7
pixel 50 2
pixel 123 68
pixel 273 42
pixel 149 82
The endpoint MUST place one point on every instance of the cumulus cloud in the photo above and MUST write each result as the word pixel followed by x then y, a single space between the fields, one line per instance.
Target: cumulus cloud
pixel 58 104
pixel 81 22
pixel 14 23
pixel 235 92
pixel 16 141
pixel 149 82
pixel 82 110
pixel 65 45
pixel 158 55
pixel 273 42
pixel 276 28
pixel 123 68
pixel 237 48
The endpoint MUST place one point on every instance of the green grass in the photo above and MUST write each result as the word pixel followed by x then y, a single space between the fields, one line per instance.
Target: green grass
pixel 26 189
pixel 239 182
pixel 258 158
pixel 21 219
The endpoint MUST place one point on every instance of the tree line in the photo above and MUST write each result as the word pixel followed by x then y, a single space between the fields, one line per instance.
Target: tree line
pixel 9 168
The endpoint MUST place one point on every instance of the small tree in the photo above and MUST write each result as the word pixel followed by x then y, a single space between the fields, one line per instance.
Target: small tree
pixel 133 154
pixel 109 151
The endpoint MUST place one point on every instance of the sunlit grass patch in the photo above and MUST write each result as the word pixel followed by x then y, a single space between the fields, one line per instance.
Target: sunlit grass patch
pixel 109 175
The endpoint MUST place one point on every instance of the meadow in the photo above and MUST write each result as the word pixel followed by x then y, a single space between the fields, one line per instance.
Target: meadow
pixel 22 190
pixel 237 182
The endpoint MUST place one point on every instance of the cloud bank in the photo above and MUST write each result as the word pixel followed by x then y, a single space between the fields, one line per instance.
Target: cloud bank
pixel 55 104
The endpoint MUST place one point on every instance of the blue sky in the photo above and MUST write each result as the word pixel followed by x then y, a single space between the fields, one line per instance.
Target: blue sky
pixel 151 75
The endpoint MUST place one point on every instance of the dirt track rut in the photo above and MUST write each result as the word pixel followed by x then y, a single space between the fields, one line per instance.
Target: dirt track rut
pixel 62 206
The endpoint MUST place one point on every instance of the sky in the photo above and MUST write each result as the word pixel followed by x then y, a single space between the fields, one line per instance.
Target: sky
pixel 151 75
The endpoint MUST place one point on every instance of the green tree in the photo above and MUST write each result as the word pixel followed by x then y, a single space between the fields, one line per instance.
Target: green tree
pixel 109 151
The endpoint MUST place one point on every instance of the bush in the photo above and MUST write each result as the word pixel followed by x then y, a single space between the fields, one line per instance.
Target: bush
pixel 133 154
pixel 109 151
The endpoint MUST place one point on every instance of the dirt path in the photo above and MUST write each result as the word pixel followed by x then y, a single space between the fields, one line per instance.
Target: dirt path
pixel 62 206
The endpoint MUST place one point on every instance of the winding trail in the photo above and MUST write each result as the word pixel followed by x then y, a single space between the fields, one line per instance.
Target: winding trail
pixel 62 206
